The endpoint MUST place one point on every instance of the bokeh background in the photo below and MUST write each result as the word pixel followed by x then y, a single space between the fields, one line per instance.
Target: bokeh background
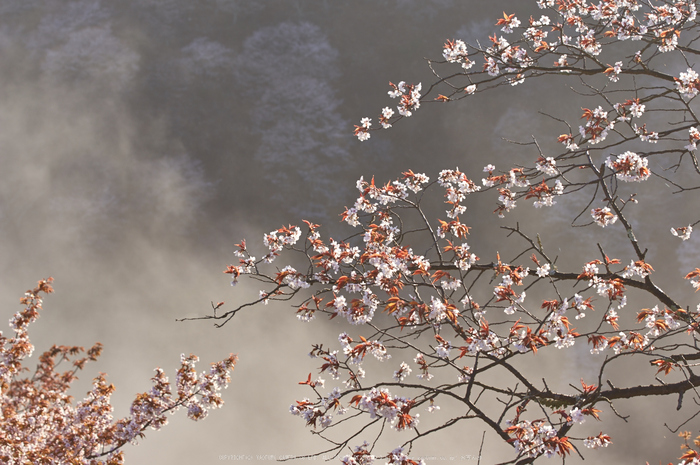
pixel 141 139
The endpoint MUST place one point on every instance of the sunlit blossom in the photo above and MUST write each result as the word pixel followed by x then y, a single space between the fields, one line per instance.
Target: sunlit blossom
pixel 682 232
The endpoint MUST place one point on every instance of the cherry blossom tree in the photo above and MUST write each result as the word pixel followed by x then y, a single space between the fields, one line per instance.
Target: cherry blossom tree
pixel 40 423
pixel 431 325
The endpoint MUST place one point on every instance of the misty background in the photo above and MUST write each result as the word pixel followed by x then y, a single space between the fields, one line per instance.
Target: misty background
pixel 141 139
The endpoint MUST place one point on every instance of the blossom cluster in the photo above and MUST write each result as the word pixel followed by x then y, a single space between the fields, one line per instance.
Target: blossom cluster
pixel 629 167
pixel 630 108
pixel 535 438
pixel 688 84
pixel 455 51
pixel 683 232
pixel 595 442
pixel 603 216
pixel 39 422
pixel 395 409
pixel 597 125
pixel 409 101
pixel 360 456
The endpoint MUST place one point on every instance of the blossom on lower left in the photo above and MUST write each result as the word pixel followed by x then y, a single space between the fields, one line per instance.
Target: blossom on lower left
pixel 39 423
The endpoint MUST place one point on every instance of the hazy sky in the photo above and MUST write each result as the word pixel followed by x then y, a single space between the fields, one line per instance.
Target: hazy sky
pixel 141 139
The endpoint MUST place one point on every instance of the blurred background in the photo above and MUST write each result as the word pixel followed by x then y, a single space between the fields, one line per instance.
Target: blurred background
pixel 141 139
